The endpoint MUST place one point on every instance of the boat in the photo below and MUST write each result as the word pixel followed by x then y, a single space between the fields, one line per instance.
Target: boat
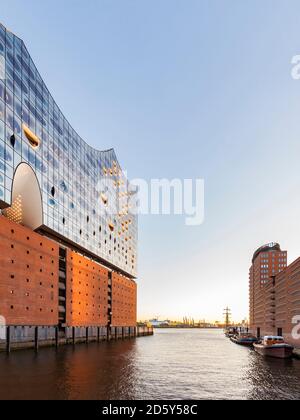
pixel 230 332
pixel 274 346
pixel 244 339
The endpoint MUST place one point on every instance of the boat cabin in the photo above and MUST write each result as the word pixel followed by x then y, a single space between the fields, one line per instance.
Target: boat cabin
pixel 271 340
pixel 246 335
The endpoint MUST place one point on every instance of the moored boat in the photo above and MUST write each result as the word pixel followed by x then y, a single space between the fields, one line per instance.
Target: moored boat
pixel 244 339
pixel 230 332
pixel 274 346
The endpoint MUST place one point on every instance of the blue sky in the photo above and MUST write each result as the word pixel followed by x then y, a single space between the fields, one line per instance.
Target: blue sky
pixel 184 89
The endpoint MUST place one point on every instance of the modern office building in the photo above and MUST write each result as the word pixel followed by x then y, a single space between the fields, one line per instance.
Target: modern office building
pixel 68 232
pixel 274 291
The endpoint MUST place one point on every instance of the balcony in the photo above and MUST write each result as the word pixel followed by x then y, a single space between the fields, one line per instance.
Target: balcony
pixel 62 275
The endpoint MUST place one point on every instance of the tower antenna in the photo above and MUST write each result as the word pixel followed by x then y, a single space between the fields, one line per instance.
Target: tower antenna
pixel 227 315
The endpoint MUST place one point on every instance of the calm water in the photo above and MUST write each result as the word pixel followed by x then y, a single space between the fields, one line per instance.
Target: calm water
pixel 173 364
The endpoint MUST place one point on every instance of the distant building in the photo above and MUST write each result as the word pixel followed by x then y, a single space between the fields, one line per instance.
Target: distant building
pixel 157 323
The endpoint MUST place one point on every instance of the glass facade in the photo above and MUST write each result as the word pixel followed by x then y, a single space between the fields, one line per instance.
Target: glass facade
pixel 86 196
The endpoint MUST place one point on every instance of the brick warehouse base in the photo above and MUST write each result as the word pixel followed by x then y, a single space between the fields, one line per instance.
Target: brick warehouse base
pixel 24 337
pixel 51 294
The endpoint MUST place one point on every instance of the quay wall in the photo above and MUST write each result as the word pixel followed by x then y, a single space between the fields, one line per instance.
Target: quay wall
pixel 23 337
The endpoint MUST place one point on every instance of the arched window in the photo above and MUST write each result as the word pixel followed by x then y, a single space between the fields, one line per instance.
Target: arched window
pixel 26 198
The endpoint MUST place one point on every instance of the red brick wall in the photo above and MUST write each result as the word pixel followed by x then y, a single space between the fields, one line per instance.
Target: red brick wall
pixel 288 300
pixel 261 291
pixel 282 306
pixel 124 301
pixel 273 307
pixel 29 266
pixel 87 292
pixel 29 276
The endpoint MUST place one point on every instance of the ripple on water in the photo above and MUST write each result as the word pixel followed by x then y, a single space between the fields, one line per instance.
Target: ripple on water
pixel 173 364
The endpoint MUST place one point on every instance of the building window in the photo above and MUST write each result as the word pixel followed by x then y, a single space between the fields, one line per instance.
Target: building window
pixel 51 202
pixel 104 198
pixel 12 140
pixel 33 140
pixel 63 186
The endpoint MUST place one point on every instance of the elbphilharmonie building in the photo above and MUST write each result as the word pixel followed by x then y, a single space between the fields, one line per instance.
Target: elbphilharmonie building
pixel 67 211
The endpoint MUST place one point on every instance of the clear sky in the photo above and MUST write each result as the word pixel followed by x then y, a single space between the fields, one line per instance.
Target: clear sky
pixel 184 89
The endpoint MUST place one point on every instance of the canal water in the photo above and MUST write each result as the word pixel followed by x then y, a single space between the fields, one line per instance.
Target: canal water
pixel 173 364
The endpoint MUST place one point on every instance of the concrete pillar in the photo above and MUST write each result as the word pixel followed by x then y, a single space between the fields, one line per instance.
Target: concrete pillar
pixel 8 340
pixel 36 339
pixel 56 337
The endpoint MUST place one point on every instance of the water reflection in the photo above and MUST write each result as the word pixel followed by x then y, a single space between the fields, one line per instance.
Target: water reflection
pixel 273 378
pixel 199 364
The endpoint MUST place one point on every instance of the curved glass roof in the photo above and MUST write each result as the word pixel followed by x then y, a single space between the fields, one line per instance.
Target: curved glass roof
pixel 84 190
